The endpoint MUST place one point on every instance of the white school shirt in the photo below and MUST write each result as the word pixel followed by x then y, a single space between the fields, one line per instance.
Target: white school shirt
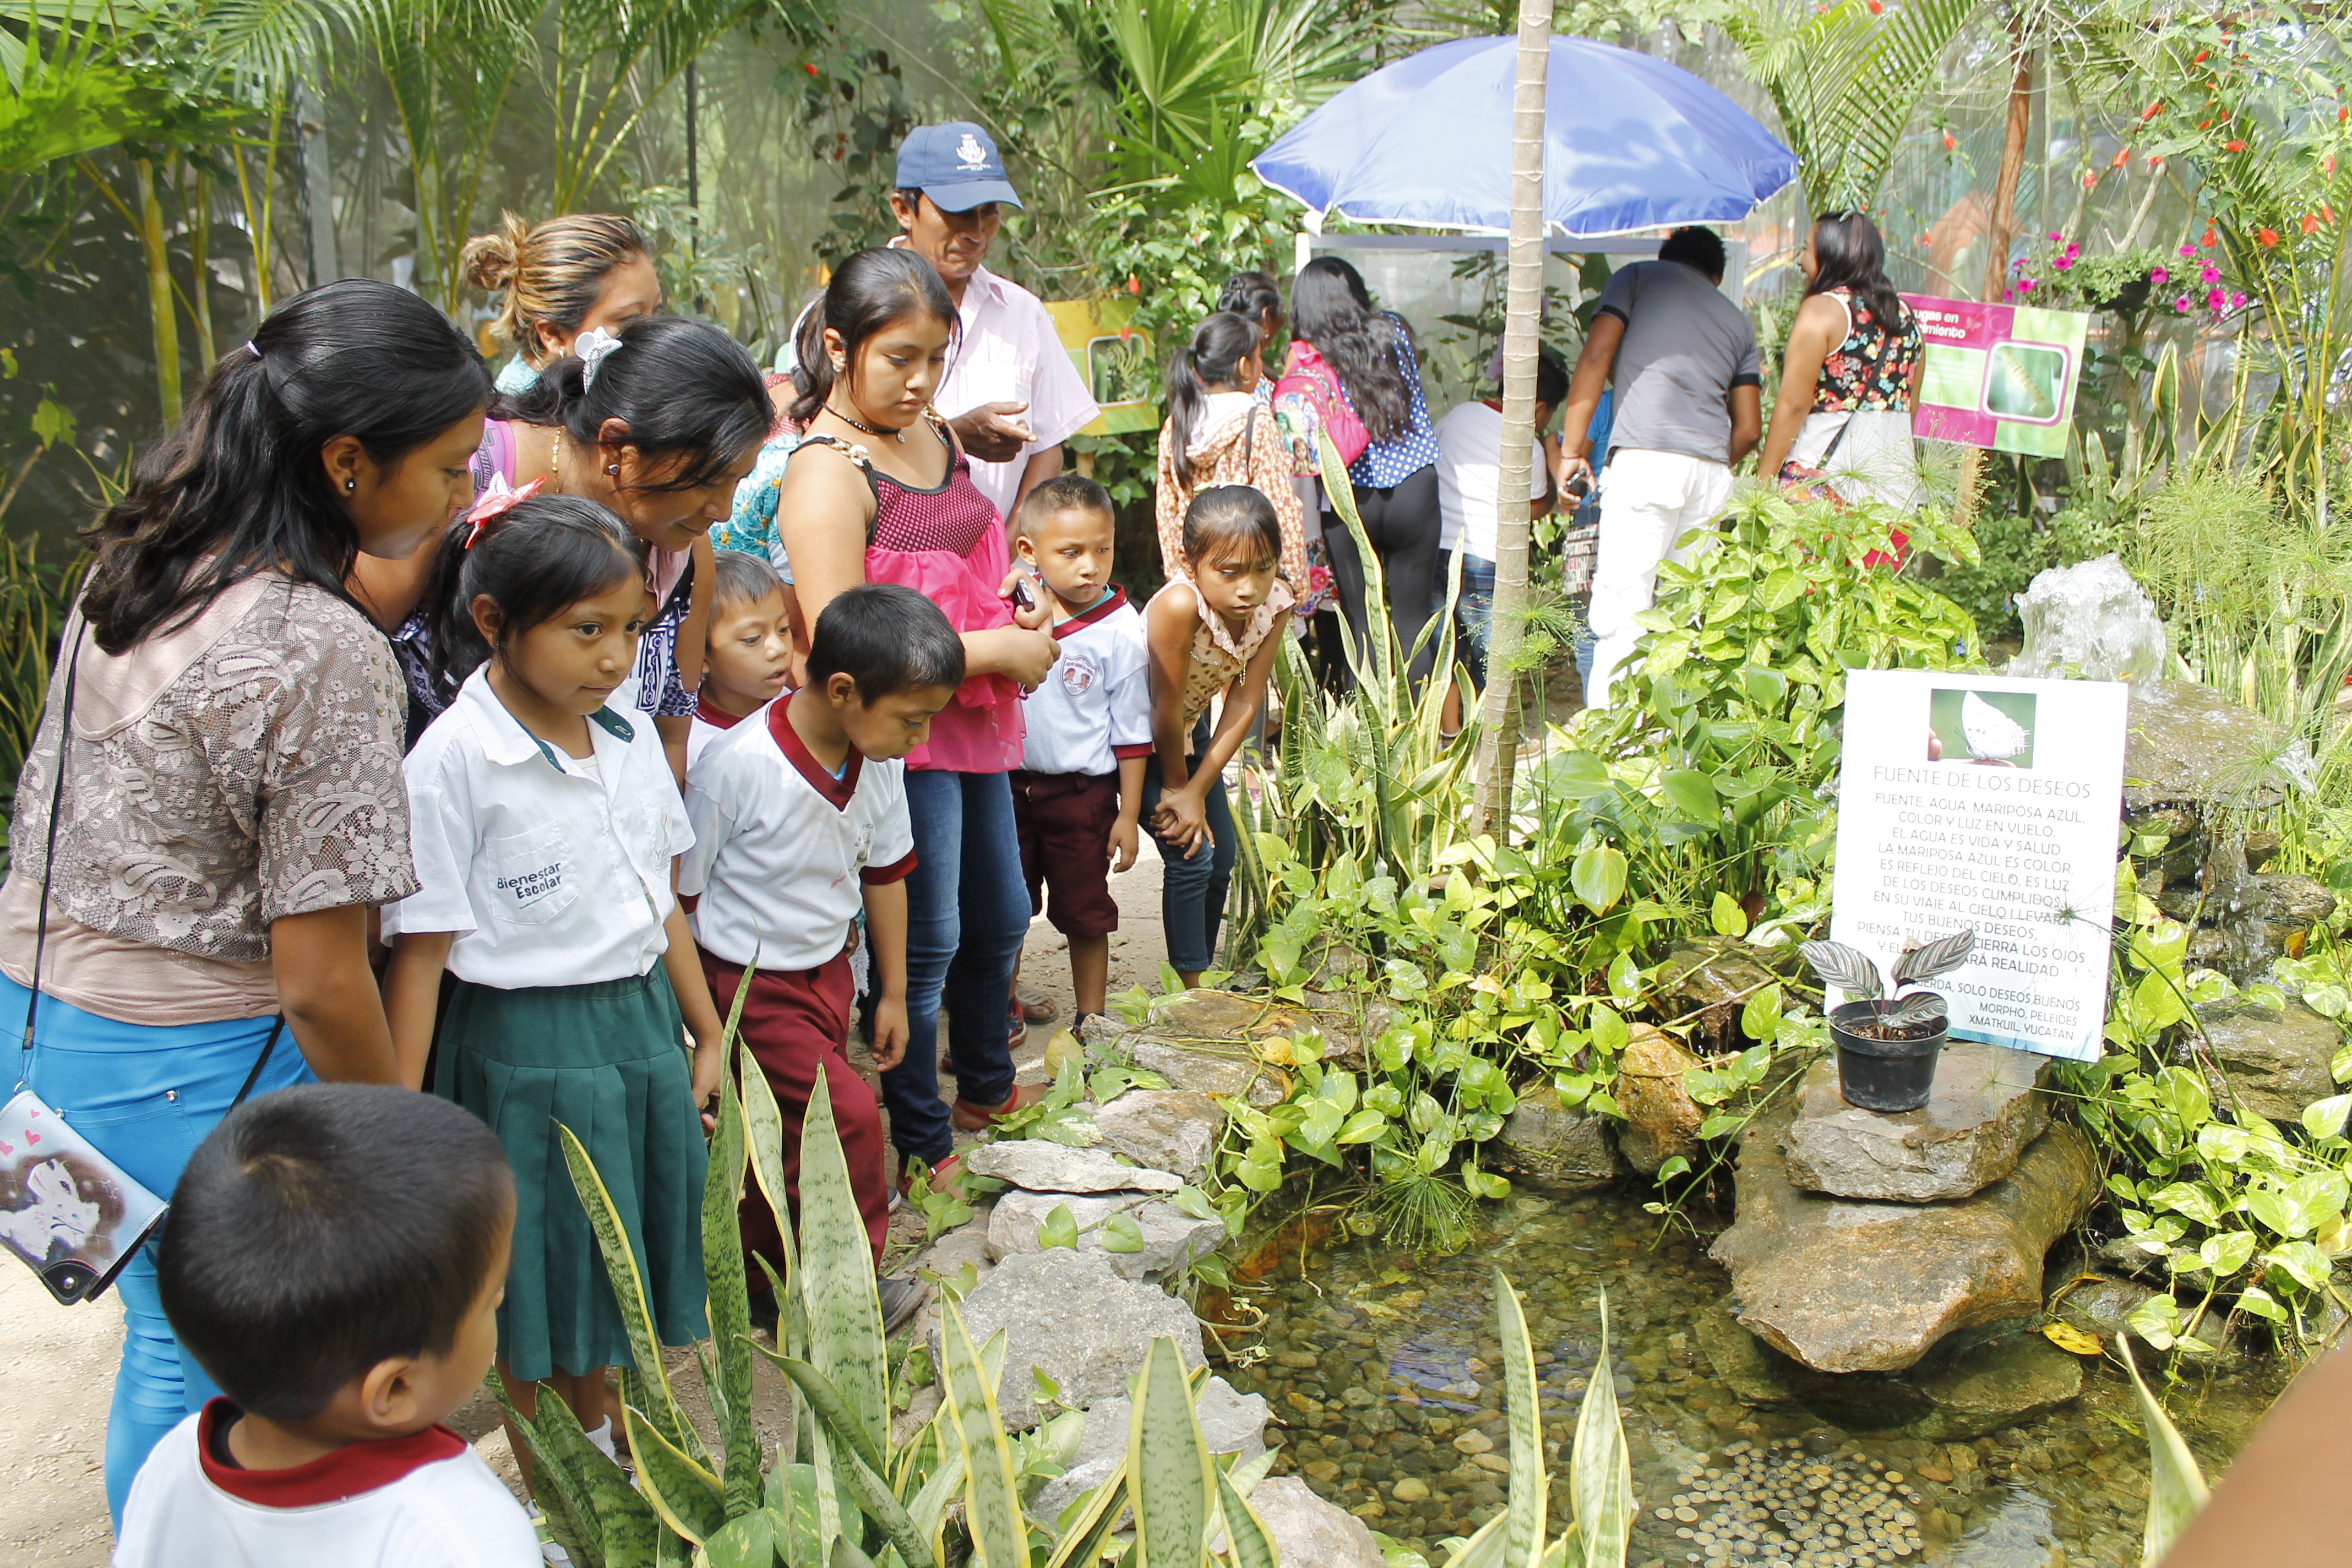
pixel 709 723
pixel 783 851
pixel 1095 707
pixel 549 872
pixel 1470 476
pixel 421 1501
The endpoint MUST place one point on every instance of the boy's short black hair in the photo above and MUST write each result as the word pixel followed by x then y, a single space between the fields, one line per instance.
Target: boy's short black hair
pixel 742 578
pixel 887 639
pixel 1551 376
pixel 1695 247
pixel 319 1230
pixel 1063 493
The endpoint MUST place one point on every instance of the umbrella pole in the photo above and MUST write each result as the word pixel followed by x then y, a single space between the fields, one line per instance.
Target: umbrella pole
pixel 1522 318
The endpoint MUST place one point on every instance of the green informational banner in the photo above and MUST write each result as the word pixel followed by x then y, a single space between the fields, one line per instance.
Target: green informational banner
pixel 1115 359
pixel 2001 376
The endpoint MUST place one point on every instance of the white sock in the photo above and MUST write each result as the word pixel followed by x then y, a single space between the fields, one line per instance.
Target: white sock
pixel 603 1437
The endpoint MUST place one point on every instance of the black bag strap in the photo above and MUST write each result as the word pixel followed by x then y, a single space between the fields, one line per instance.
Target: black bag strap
pixel 48 866
pixel 1831 450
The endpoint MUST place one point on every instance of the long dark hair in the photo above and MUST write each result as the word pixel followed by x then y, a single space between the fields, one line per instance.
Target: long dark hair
pixel 1849 253
pixel 1219 345
pixel 868 292
pixel 238 486
pixel 1251 294
pixel 535 560
pixel 683 386
pixel 1330 309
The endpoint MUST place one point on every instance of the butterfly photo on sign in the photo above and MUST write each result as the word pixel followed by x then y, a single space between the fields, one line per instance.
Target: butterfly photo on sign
pixel 1983 728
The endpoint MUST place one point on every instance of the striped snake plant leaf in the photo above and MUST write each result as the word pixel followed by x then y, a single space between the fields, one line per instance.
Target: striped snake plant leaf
pixel 1922 963
pixel 829 1523
pixel 672 1550
pixel 1169 1475
pixel 830 1406
pixel 763 1137
pixel 2176 1487
pixel 846 1554
pixel 1849 969
pixel 629 1292
pixel 930 1508
pixel 1524 1531
pixel 1089 1532
pixel 729 1302
pixel 749 1542
pixel 1568 1552
pixel 992 1491
pixel 879 1503
pixel 792 1500
pixel 570 1471
pixel 836 1277
pixel 1252 1544
pixel 1601 1470
pixel 683 1492
pixel 1485 1547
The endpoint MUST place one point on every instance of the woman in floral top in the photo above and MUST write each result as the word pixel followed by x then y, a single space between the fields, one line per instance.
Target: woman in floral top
pixel 213 799
pixel 1842 426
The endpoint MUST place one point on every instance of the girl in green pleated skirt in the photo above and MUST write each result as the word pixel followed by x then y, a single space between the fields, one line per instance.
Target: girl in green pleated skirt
pixel 543 824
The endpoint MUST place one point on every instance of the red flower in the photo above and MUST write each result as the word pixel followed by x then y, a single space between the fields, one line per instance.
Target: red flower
pixel 2089 181
pixel 1132 285
pixel 2327 214
pixel 2151 111
pixel 2202 56
pixel 809 66
pixel 2327 165
pixel 2269 237
pixel 1949 142
pixel 2310 223
pixel 1877 7
pixel 2210 238
pixel 2233 146
pixel 2121 159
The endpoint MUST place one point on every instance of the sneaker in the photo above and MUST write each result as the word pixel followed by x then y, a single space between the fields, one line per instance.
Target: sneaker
pixel 902 1299
pixel 974 1118
pixel 1017 1027
pixel 1085 1021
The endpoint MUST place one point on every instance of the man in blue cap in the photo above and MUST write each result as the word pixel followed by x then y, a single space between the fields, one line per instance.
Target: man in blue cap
pixel 1011 392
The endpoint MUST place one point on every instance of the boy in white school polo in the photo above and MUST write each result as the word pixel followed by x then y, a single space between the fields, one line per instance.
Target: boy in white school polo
pixel 800 821
pixel 335 1260
pixel 1078 794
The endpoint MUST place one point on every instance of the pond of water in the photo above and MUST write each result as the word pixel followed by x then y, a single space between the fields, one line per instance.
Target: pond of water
pixel 1384 1377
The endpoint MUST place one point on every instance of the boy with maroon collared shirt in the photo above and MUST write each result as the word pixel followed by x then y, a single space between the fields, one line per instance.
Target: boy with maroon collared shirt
pixel 334 1260
pixel 749 658
pixel 799 820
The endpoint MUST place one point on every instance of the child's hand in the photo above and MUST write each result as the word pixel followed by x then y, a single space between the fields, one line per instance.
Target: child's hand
pixel 1124 842
pixel 890 1033
pixel 706 1080
pixel 1183 819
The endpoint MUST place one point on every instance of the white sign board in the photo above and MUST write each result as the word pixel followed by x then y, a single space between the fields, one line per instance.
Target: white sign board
pixel 1975 801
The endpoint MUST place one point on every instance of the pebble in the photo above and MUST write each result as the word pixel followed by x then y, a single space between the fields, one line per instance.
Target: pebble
pixel 1412 1488
pixel 1475 1442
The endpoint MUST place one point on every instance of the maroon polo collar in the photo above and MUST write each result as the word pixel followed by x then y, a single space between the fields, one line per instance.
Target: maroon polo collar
pixel 1113 598
pixel 836 791
pixel 348 1472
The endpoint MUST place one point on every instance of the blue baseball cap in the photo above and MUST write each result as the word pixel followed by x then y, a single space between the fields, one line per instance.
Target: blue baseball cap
pixel 956 165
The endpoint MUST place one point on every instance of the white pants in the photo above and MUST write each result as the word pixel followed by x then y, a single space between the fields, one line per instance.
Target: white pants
pixel 1648 502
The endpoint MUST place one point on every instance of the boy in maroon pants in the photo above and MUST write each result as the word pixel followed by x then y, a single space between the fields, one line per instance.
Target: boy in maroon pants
pixel 800 819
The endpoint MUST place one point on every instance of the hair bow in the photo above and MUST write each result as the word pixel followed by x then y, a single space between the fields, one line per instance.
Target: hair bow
pixel 496 501
pixel 592 346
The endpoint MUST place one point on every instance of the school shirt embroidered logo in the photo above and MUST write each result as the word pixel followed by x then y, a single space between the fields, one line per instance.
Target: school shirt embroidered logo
pixel 973 154
pixel 1079 672
pixel 527 888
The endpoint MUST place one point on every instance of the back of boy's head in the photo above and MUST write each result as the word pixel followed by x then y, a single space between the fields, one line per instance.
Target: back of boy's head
pixel 1063 493
pixel 743 579
pixel 887 639
pixel 1227 515
pixel 321 1230
pixel 1695 247
pixel 534 561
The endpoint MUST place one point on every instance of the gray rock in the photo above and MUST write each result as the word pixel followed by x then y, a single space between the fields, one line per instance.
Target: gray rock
pixel 1849 1285
pixel 2187 744
pixel 1235 1074
pixel 1167 1129
pixel 2288 905
pixel 1067 1312
pixel 2102 1305
pixel 1231 1423
pixel 1543 1144
pixel 1983 1112
pixel 1211 1041
pixel 2274 1063
pixel 1041 1166
pixel 1171 1236
pixel 1714 981
pixel 1309 1532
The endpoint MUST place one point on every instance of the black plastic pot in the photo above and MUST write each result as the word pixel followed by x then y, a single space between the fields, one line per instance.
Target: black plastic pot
pixel 1883 1075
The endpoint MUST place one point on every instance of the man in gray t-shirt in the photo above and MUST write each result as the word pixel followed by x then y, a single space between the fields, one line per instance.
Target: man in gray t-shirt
pixel 1688 405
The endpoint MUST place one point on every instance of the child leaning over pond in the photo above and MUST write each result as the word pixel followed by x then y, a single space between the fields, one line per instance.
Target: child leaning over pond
pixel 1209 636
pixel 543 823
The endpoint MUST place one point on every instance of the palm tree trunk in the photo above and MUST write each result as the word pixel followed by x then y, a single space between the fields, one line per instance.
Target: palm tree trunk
pixel 2000 225
pixel 197 201
pixel 1522 317
pixel 159 288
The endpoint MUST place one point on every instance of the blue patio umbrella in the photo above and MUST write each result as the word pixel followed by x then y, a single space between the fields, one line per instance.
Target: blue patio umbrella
pixel 1630 143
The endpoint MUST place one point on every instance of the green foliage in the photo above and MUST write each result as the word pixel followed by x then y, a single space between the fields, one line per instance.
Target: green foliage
pixel 2014 547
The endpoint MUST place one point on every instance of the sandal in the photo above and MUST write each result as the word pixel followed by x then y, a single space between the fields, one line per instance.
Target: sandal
pixel 974 1118
pixel 1035 1009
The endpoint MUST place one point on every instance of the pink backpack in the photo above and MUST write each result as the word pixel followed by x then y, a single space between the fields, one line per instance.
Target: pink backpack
pixel 1308 397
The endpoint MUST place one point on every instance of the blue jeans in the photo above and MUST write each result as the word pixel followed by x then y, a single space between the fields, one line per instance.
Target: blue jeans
pixel 967 915
pixel 1192 888
pixel 1473 616
pixel 145 1096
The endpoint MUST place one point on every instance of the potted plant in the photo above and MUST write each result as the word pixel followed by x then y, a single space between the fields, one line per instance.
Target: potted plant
pixel 1887 1043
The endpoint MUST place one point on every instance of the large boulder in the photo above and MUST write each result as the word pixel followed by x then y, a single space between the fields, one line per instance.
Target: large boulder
pixel 1171 1238
pixel 1661 1118
pixel 2274 1064
pixel 1546 1144
pixel 1968 1135
pixel 1714 981
pixel 1850 1285
pixel 1231 1423
pixel 1309 1532
pixel 1067 1313
pixel 2186 744
pixel 1043 1167
pixel 1171 1130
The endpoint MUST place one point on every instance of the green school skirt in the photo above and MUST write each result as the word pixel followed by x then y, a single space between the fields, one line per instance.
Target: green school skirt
pixel 605 1060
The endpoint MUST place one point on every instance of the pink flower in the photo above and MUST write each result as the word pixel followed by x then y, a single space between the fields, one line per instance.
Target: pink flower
pixel 2216 300
pixel 2056 236
pixel 2025 285
pixel 2188 250
pixel 2063 263
pixel 2073 250
pixel 2181 304
pixel 2236 300
pixel 2209 273
pixel 2158 275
